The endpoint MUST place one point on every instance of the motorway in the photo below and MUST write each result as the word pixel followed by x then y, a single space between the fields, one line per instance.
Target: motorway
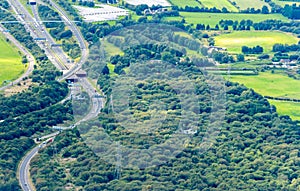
pixel 61 56
pixel 24 169
pixel 36 30
pixel 29 56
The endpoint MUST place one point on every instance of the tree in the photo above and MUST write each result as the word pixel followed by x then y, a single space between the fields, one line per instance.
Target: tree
pixel 207 27
pixel 265 10
pixel 240 57
pixel 105 70
pixel 24 60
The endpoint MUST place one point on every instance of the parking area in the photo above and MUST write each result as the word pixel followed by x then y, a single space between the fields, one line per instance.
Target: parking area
pixel 101 13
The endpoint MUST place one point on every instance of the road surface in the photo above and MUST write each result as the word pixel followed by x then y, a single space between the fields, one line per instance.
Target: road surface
pixel 97 103
pixel 24 169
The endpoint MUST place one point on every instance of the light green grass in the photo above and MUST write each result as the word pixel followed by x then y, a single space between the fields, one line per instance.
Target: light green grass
pixel 282 3
pixel 181 3
pixel 235 40
pixel 257 4
pixel 111 49
pixel 219 4
pixel 214 18
pixel 287 108
pixel 28 7
pixel 10 61
pixel 268 84
pixel 276 85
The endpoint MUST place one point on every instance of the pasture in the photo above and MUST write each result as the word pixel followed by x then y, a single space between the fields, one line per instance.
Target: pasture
pixel 219 4
pixel 235 40
pixel 268 84
pixel 257 4
pixel 180 3
pixel 282 3
pixel 287 108
pixel 10 61
pixel 276 85
pixel 214 18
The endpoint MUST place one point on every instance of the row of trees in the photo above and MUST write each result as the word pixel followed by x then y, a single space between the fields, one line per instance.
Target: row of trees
pixel 285 47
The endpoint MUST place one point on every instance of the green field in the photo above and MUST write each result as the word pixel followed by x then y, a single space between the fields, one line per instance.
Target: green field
pixel 10 61
pixel 214 18
pixel 219 4
pixel 235 40
pixel 111 49
pixel 282 3
pixel 287 108
pixel 257 4
pixel 276 85
pixel 180 3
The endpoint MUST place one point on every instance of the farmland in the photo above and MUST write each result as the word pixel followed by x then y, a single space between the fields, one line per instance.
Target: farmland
pixel 244 4
pixel 180 3
pixel 287 108
pixel 214 18
pixel 276 85
pixel 235 40
pixel 10 62
pixel 282 3
pixel 219 5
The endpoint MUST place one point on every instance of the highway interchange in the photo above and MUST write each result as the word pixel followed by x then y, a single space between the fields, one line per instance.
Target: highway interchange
pixel 34 25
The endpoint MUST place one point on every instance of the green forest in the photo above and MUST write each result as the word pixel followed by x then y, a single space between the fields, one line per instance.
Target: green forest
pixel 167 123
pixel 254 148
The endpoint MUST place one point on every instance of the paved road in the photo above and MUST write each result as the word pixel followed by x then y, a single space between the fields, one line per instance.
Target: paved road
pixel 29 56
pixel 31 25
pixel 97 103
pixel 24 165
pixel 61 56
pixel 24 169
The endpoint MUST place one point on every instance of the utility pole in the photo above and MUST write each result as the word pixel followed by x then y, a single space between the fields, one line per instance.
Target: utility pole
pixel 118 167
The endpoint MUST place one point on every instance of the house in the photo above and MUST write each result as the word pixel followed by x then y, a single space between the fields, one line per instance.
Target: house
pixel 211 49
pixel 153 12
pixel 285 61
pixel 32 2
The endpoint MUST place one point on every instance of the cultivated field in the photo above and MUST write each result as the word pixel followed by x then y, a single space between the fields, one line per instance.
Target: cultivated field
pixel 10 61
pixel 219 4
pixel 148 2
pixel 214 18
pixel 180 3
pixel 244 4
pixel 276 85
pixel 235 40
